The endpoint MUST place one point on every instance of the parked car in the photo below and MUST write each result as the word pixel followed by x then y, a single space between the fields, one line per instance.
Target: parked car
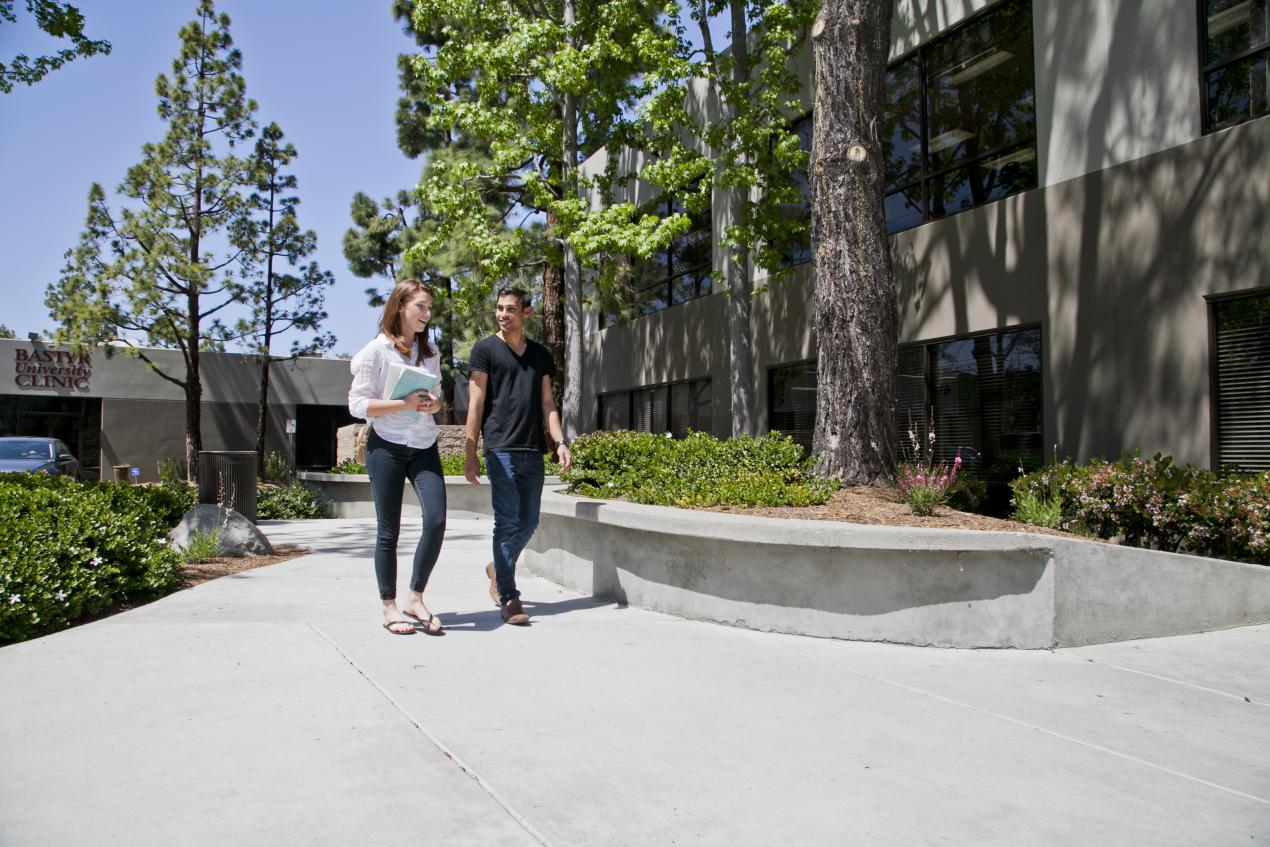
pixel 37 455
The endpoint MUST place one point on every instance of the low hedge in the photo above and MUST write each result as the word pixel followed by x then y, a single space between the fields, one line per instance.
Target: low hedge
pixel 451 465
pixel 1159 505
pixel 288 503
pixel 70 550
pixel 699 470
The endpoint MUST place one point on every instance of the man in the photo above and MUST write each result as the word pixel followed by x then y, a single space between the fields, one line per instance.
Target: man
pixel 509 398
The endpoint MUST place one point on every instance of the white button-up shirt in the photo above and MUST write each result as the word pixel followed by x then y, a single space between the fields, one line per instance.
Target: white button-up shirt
pixel 370 374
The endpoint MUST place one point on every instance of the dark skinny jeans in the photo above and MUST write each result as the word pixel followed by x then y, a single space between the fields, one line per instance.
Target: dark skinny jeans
pixel 389 466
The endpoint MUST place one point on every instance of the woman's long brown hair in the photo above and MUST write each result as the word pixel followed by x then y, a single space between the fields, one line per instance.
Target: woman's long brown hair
pixel 390 321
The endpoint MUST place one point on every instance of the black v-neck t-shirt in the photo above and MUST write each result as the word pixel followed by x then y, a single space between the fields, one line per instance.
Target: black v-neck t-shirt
pixel 512 418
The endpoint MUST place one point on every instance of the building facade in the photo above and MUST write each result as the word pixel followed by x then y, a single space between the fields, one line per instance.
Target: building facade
pixel 1078 197
pixel 113 410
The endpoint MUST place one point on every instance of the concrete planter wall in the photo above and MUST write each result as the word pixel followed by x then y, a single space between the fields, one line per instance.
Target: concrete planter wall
pixel 350 496
pixel 947 588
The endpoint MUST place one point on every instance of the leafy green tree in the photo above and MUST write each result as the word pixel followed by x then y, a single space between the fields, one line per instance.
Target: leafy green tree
pixel 60 20
pixel 749 156
pixel 285 293
pixel 535 87
pixel 148 272
pixel 5 332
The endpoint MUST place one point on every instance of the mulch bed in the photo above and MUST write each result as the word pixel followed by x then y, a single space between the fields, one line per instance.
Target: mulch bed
pixel 194 573
pixel 867 505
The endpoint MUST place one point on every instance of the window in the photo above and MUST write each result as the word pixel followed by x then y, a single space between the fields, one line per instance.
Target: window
pixel 961 119
pixel 798 251
pixel 675 275
pixel 791 402
pixel 1241 384
pixel 1236 63
pixel 675 407
pixel 983 393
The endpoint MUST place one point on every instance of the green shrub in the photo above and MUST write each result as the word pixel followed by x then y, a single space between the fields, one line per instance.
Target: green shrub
pixel 348 466
pixel 922 499
pixel 1038 511
pixel 288 502
pixel 968 493
pixel 698 470
pixel 172 471
pixel 275 467
pixel 451 465
pixel 201 547
pixel 1159 505
pixel 70 550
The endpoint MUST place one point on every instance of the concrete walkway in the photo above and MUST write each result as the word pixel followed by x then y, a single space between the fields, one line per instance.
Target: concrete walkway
pixel 270 708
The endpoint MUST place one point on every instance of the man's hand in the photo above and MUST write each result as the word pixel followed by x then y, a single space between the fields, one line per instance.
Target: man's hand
pixel 472 468
pixel 562 455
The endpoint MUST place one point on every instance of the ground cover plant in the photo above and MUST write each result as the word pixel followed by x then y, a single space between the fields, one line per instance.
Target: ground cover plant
pixel 1153 503
pixel 70 551
pixel 699 470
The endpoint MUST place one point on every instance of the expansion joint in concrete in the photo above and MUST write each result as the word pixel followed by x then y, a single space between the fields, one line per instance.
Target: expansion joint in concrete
pixel 1037 728
pixel 436 742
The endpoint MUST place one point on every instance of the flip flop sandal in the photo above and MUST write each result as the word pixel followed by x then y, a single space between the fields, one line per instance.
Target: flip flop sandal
pixel 426 623
pixel 389 626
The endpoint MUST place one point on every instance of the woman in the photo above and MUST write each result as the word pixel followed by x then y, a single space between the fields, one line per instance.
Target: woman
pixel 402 445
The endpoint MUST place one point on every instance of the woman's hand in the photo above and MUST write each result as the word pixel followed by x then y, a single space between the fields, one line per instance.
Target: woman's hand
pixel 422 401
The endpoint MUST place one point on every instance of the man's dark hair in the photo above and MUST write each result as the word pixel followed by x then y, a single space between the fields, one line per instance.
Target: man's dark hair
pixel 513 291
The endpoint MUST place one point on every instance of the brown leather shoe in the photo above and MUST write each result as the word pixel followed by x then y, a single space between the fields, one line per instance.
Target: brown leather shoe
pixel 493 585
pixel 513 612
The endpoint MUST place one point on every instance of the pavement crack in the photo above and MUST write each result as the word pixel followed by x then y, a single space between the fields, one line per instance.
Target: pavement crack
pixel 445 750
pixel 1077 657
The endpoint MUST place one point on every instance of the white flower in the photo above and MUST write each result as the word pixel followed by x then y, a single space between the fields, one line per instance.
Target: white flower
pixel 95 561
pixel 15 599
pixel 61 596
pixel 163 541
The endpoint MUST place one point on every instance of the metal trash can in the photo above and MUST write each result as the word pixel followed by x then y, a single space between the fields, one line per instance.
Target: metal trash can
pixel 228 477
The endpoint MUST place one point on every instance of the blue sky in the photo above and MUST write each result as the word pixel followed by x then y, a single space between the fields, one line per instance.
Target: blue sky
pixel 325 71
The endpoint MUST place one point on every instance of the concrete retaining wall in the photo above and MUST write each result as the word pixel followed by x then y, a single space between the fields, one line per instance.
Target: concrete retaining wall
pixel 931 587
pixel 350 497
pixel 947 588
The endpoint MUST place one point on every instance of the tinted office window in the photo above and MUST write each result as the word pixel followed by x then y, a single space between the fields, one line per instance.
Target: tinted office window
pixel 982 391
pixel 799 249
pixel 1236 61
pixel 791 399
pixel 675 408
pixel 675 275
pixel 961 119
pixel 1242 377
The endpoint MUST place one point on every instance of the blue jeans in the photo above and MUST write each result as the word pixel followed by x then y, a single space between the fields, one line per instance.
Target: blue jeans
pixel 389 466
pixel 515 479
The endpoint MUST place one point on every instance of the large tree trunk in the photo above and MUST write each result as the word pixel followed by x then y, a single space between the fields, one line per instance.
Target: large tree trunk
pixel 856 322
pixel 571 408
pixel 740 358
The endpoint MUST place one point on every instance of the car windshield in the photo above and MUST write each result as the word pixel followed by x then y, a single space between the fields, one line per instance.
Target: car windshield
pixel 25 448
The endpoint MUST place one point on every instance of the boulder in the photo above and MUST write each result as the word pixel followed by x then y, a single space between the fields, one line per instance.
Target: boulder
pixel 238 536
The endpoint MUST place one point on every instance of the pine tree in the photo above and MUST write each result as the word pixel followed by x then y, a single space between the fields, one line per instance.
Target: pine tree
pixel 856 313
pixel 160 281
pixel 271 241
